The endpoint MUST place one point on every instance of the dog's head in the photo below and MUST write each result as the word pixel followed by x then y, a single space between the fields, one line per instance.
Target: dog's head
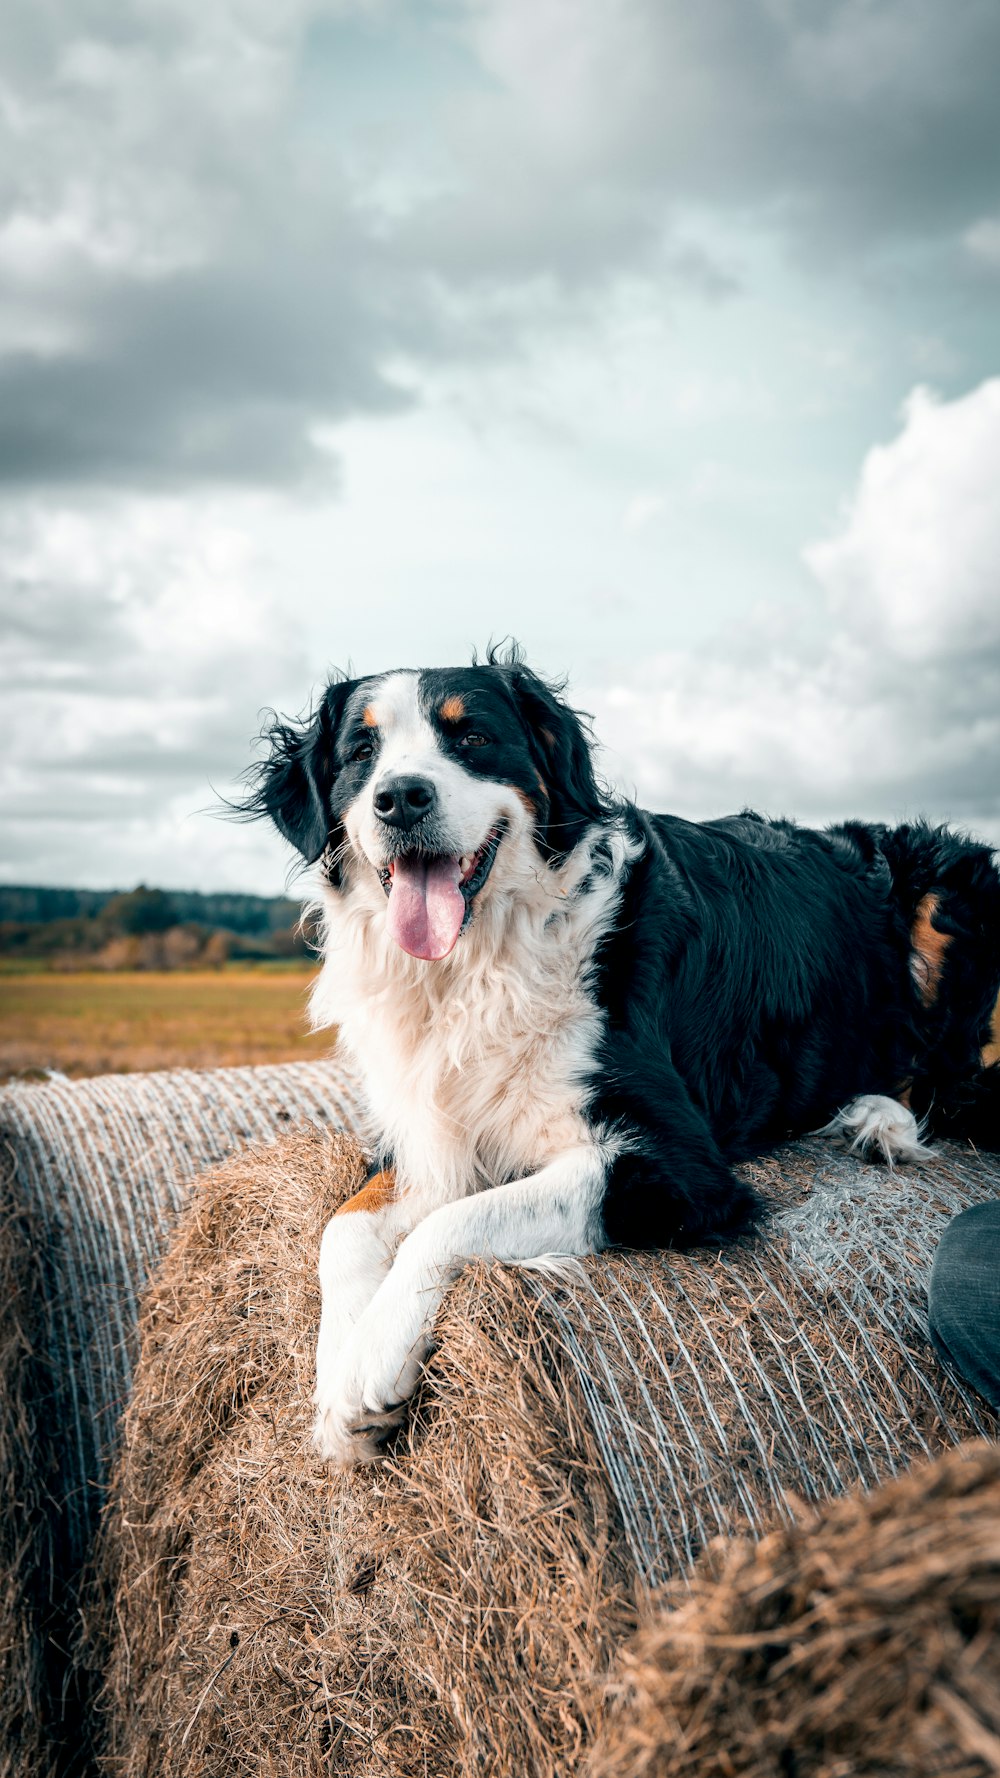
pixel 432 789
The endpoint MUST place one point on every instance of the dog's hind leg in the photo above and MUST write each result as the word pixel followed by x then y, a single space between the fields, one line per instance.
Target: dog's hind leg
pixel 876 1125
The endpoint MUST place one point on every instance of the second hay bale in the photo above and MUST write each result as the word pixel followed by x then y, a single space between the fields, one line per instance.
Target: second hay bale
pixel 448 1612
pixel 864 1640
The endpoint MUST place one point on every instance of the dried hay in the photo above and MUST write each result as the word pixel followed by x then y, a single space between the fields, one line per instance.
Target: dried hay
pixel 575 1440
pixel 93 1176
pixel 864 1640
pixel 269 1617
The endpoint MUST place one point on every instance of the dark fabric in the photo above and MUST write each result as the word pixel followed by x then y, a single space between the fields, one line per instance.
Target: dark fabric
pixel 964 1298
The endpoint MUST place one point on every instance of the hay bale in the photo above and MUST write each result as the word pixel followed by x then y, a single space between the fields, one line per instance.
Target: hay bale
pixel 864 1639
pixel 94 1174
pixel 575 1440
pixel 268 1616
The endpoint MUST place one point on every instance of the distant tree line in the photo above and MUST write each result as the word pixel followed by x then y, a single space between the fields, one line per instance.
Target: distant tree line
pixel 146 928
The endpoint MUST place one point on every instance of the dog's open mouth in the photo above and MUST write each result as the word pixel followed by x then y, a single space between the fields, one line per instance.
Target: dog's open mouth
pixel 431 895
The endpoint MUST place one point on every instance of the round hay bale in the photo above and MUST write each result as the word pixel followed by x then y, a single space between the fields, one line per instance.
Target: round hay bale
pixel 94 1175
pixel 576 1439
pixel 863 1640
pixel 268 1616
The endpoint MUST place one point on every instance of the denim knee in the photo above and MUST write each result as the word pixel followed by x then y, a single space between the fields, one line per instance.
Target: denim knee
pixel 964 1298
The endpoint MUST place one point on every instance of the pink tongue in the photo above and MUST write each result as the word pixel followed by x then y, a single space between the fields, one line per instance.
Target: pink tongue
pixel 426 906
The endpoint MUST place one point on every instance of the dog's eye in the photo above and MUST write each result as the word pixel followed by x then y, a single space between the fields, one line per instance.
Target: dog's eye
pixel 475 739
pixel 363 750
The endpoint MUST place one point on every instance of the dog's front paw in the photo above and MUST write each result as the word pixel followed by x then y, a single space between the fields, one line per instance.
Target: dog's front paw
pixel 363 1400
pixel 347 1435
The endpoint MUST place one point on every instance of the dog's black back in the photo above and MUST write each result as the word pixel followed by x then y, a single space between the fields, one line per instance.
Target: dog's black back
pixel 780 973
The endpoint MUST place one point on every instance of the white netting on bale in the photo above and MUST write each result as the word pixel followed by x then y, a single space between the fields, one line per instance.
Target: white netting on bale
pixel 105 1165
pixel 801 1363
pixel 94 1175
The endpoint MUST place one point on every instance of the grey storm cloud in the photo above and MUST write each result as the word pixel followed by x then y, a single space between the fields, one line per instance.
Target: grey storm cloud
pixel 863 119
pixel 838 125
pixel 212 373
pixel 231 281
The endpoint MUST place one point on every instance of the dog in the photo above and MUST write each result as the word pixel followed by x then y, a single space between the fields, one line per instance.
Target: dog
pixel 572 1016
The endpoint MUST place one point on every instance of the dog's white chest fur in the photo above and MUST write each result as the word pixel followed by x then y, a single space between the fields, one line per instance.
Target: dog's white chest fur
pixel 476 1068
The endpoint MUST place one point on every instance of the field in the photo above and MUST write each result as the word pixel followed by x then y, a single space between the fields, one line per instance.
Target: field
pixel 98 1022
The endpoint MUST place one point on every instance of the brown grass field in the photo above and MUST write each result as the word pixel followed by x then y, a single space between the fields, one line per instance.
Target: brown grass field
pixel 98 1023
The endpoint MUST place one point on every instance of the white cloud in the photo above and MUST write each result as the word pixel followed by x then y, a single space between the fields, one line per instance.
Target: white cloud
pixel 917 564
pixel 142 639
pixel 896 710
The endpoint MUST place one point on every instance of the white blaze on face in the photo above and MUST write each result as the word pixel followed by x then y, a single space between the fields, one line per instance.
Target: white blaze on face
pixel 426 908
pixel 407 741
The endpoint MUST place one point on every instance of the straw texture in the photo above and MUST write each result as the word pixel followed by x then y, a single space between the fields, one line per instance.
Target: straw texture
pixel 862 1641
pixel 578 1439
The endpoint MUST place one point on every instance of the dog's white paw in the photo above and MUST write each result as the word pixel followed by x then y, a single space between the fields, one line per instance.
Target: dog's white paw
pixel 876 1123
pixel 345 1434
pixel 361 1398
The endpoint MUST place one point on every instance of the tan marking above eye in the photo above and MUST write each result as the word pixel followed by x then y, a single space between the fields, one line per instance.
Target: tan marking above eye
pixel 453 709
pixel 374 1195
pixel 929 948
pixel 369 717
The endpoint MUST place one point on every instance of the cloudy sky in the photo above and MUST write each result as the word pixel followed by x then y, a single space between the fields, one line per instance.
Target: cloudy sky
pixel 665 337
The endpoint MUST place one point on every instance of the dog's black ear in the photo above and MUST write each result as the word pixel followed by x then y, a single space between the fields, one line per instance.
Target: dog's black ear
pixel 563 748
pixel 292 785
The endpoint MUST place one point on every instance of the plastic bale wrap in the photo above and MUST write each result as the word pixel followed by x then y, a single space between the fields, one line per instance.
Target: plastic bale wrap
pixel 864 1640
pixel 577 1440
pixel 93 1175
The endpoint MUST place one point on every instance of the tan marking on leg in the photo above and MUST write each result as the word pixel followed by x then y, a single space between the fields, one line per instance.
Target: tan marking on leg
pixel 369 717
pixel 374 1195
pixel 453 709
pixel 991 1050
pixel 929 948
pixel 905 1093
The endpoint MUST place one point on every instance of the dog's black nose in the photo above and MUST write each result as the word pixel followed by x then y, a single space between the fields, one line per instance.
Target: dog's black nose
pixel 402 802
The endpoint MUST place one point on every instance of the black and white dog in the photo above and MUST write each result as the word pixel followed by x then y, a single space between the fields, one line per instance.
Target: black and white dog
pixel 571 1016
